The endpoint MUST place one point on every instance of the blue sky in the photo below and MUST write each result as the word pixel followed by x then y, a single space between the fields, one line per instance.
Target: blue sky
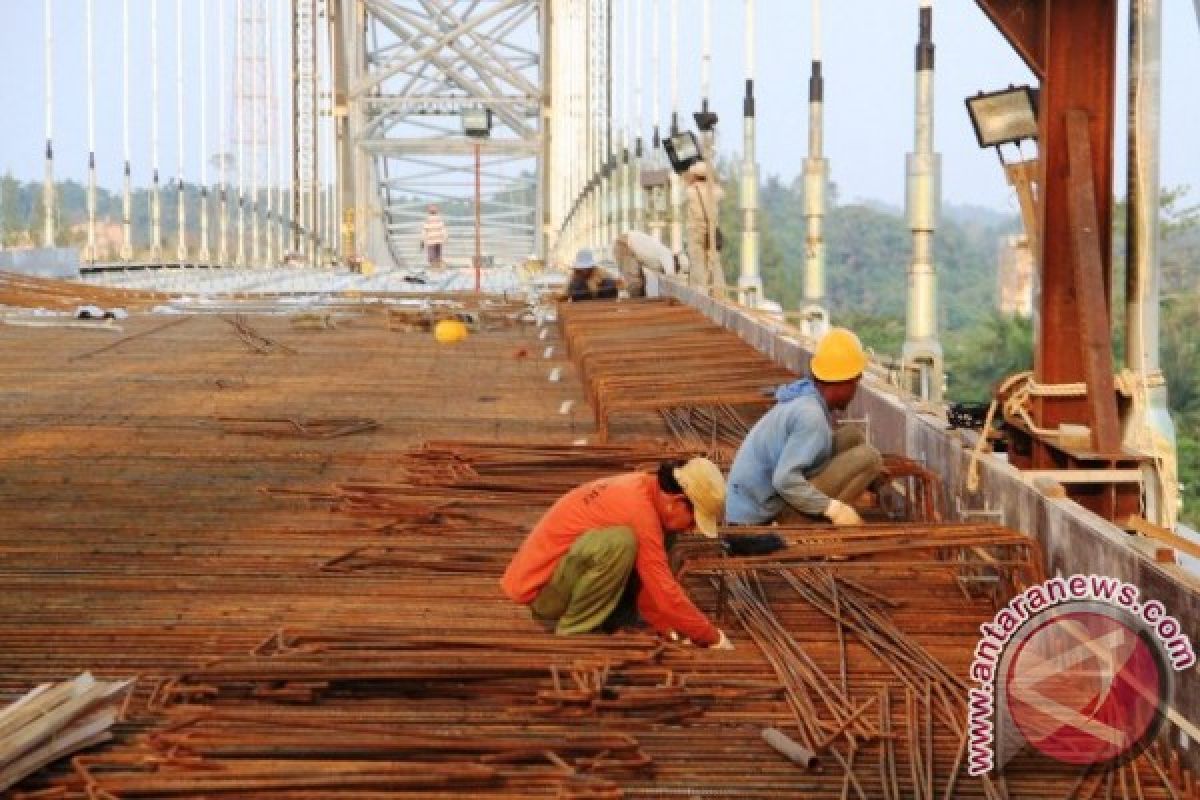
pixel 868 54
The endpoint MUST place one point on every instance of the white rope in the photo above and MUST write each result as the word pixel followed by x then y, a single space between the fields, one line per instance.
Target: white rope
pixel 1018 391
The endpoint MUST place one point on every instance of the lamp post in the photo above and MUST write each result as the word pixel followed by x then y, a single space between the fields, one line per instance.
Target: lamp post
pixel 477 124
pixel 922 352
pixel 814 315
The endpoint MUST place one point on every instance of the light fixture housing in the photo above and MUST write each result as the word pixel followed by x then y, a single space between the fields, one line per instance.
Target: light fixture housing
pixel 1003 117
pixel 683 150
pixel 655 178
pixel 477 122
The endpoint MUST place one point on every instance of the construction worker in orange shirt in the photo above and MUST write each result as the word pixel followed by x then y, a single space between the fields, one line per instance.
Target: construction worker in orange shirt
pixel 605 540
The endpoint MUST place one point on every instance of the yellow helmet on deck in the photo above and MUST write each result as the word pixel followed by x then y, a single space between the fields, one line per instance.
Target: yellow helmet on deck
pixel 449 331
pixel 839 357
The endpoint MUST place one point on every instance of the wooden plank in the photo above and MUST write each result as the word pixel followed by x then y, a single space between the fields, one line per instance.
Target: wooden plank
pixel 49 723
pixel 1091 302
pixel 1146 528
pixel 1084 475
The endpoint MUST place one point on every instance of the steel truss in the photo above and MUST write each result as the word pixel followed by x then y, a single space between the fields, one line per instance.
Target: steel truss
pixel 412 67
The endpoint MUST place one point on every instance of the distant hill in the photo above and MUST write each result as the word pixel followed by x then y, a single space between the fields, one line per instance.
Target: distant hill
pixel 868 246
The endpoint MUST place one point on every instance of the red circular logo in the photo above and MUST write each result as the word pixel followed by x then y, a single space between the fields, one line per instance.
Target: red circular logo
pixel 1086 687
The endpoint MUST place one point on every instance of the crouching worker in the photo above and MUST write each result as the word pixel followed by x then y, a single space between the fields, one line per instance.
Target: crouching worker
pixel 606 540
pixel 588 282
pixel 793 464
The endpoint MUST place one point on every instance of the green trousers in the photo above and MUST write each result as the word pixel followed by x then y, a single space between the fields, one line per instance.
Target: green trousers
pixel 588 582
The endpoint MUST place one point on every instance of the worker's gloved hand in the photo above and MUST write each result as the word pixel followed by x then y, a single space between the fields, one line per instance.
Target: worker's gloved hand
pixel 723 642
pixel 841 514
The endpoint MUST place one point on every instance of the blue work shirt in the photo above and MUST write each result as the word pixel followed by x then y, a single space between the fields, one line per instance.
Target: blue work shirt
pixel 790 444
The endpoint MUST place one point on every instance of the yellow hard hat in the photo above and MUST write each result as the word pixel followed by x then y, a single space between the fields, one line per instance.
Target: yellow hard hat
pixel 703 483
pixel 449 331
pixel 839 357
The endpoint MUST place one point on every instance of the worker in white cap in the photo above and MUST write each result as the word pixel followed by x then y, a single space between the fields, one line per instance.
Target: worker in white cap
pixel 793 462
pixel 605 542
pixel 587 281
pixel 702 231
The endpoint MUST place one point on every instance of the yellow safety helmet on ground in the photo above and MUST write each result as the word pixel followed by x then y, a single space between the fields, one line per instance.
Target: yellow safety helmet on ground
pixel 839 357
pixel 450 331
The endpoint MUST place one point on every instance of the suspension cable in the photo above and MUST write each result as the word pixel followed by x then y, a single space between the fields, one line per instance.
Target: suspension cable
pixel 155 198
pixel 676 183
pixel 269 77
pixel 255 119
pixel 223 126
pixel 239 91
pixel 205 254
pixel 283 171
pixel 656 71
pixel 127 192
pixel 706 55
pixel 48 233
pixel 90 253
pixel 181 248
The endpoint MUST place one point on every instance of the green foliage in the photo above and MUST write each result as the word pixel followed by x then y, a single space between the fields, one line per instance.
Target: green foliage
pixel 1188 441
pixel 12 214
pixel 979 357
pixel 881 334
pixel 1180 341
pixel 867 253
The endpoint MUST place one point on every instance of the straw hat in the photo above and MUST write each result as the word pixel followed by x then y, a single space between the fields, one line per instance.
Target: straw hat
pixel 703 483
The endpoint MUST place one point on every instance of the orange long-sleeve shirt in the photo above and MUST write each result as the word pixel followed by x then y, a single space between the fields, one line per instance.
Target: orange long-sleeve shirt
pixel 628 500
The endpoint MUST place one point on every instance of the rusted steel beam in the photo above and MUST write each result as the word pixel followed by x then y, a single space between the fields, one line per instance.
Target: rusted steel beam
pixel 1080 77
pixel 1022 22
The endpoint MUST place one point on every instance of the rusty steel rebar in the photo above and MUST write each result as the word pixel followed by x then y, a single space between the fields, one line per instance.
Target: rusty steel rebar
pixel 321 617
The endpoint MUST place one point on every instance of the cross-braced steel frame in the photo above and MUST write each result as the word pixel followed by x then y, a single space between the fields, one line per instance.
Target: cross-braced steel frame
pixel 412 67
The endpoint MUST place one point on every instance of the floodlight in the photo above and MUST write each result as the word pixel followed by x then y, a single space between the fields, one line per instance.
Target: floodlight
pixel 477 122
pixel 1003 117
pixel 683 150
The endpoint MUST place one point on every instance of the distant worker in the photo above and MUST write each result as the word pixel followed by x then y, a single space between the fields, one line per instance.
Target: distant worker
pixel 433 237
pixel 588 282
pixel 635 252
pixel 703 236
pixel 792 461
pixel 601 549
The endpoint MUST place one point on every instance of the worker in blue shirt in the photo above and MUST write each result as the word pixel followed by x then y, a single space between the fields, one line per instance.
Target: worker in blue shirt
pixel 793 461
